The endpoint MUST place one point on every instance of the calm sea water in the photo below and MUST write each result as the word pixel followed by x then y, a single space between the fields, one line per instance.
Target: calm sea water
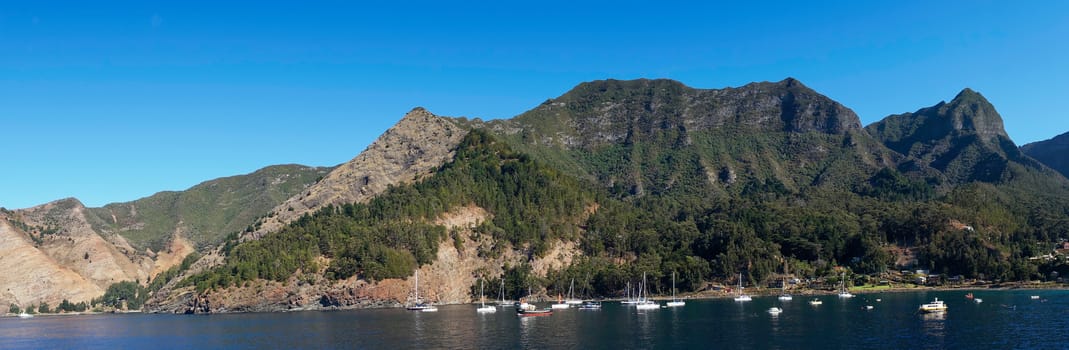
pixel 1005 320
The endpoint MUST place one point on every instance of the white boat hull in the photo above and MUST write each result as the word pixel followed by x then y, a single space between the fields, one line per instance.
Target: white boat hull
pixel 675 303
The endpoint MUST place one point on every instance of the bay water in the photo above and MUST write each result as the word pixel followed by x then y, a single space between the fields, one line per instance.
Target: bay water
pixel 1004 320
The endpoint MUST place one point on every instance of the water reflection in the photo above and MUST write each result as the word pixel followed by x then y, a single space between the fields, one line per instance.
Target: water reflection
pixel 935 327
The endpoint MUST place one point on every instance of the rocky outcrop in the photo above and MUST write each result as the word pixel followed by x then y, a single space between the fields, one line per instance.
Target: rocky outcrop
pixel 614 111
pixel 446 281
pixel 50 253
pixel 414 147
pixel 963 139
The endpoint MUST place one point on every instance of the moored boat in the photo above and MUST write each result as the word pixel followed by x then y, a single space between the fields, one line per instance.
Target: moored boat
pixel 775 310
pixel 675 301
pixel 815 302
pixel 526 309
pixel 742 296
pixel 590 305
pixel 934 306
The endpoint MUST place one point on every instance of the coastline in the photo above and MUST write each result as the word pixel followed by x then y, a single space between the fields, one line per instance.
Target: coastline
pixel 705 295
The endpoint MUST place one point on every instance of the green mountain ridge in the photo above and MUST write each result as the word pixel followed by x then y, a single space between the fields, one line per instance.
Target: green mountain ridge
pixel 963 139
pixel 1054 152
pixel 705 183
pixel 206 212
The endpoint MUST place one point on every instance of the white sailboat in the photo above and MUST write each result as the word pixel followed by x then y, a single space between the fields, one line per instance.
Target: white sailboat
pixel 630 299
pixel 675 301
pixel 785 296
pixel 482 297
pixel 503 302
pixel 742 296
pixel 643 302
pixel 571 295
pixel 420 306
pixel 560 304
pixel 843 293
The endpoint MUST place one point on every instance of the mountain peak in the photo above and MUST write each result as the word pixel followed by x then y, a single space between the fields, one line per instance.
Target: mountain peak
pixel 969 111
pixel 791 82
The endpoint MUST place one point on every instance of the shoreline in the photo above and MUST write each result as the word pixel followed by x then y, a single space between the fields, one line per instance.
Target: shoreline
pixel 707 295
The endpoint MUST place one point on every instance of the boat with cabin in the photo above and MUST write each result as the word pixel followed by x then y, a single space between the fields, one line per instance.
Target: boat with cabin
pixel 933 307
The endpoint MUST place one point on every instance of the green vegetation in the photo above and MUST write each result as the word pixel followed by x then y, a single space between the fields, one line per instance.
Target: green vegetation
pixel 67 306
pixel 532 205
pixel 208 211
pixel 649 177
pixel 14 309
pixel 130 292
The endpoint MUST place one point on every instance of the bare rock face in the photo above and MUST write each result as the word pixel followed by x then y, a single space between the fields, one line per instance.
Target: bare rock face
pixel 446 281
pixel 411 149
pixel 50 253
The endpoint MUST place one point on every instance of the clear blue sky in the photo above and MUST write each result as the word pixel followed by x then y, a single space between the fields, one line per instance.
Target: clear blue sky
pixel 116 101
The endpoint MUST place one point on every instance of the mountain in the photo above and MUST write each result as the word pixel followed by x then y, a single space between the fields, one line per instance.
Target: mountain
pixel 611 181
pixel 644 136
pixel 410 150
pixel 50 253
pixel 76 253
pixel 964 139
pixel 205 213
pixel 1054 152
pixel 616 179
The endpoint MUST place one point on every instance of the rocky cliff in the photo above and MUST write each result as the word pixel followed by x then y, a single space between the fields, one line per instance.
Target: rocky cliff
pixel 964 139
pixel 414 147
pixel 50 253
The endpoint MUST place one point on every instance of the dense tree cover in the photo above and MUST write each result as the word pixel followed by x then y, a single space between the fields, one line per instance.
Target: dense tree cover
pixel 14 309
pixel 663 213
pixel 133 293
pixel 67 306
pixel 532 205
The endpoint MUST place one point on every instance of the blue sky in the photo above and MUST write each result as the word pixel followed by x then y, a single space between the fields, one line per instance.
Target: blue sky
pixel 113 101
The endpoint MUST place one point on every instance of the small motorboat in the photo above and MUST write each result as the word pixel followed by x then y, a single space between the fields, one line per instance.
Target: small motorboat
pixel 815 302
pixel 774 311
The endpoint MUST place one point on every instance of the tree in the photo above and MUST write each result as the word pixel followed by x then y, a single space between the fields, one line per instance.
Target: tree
pixel 14 309
pixel 43 309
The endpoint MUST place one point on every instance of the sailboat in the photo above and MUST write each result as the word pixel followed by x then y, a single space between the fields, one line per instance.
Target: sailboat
pixel 420 306
pixel 675 301
pixel 482 297
pixel 742 296
pixel 571 295
pixel 643 302
pixel 630 300
pixel 503 302
pixel 785 296
pixel 843 293
pixel 560 303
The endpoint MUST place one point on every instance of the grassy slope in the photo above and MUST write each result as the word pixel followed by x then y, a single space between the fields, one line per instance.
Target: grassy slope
pixel 207 212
